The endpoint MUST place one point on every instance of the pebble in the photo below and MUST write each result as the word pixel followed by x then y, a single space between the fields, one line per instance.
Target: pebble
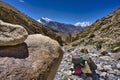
pixel 103 74
pixel 107 67
pixel 99 67
pixel 118 65
pixel 106 58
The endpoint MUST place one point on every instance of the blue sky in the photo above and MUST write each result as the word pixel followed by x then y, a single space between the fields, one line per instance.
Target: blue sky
pixel 66 11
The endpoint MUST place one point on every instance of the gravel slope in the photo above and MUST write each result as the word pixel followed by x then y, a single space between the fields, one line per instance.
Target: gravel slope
pixel 108 67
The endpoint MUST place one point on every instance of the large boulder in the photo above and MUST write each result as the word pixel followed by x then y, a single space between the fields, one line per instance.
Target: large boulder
pixel 42 62
pixel 38 41
pixel 11 34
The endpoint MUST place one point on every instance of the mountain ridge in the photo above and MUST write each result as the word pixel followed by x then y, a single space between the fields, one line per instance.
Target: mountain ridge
pixel 61 27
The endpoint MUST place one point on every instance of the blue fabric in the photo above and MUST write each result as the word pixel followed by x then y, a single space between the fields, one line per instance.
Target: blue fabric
pixel 81 59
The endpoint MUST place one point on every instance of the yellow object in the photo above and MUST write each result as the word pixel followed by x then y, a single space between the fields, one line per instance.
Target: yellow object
pixel 86 69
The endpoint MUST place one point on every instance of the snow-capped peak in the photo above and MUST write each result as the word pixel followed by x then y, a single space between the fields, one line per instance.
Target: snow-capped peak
pixel 39 21
pixel 82 24
pixel 46 19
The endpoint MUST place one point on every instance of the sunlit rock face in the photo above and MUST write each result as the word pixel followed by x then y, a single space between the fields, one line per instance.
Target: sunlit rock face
pixel 11 34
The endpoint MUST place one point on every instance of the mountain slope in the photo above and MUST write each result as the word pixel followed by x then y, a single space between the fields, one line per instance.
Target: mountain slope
pixel 105 31
pixel 61 27
pixel 12 15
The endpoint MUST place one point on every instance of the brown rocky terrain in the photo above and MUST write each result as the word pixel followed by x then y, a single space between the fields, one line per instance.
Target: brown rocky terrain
pixel 27 57
pixel 38 58
pixel 12 15
pixel 105 31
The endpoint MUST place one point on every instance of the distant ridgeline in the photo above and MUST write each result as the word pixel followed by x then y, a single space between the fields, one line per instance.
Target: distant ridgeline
pixel 61 27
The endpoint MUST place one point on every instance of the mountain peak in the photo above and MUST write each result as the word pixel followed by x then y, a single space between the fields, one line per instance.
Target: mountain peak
pixel 61 27
pixel 46 19
pixel 82 24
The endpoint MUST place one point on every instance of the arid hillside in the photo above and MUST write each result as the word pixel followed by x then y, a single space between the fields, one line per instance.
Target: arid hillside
pixel 105 31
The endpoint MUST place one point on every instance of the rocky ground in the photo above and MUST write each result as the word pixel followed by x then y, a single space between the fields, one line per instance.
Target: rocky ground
pixel 108 66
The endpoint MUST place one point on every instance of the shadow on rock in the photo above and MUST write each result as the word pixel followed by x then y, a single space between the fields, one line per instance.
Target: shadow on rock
pixel 18 51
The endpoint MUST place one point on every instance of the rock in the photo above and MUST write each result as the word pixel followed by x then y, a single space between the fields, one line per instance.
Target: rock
pixel 116 49
pixel 112 77
pixel 109 53
pixel 38 41
pixel 111 72
pixel 103 74
pixel 117 72
pixel 107 67
pixel 103 53
pixel 107 58
pixel 41 63
pixel 69 72
pixel 118 65
pixel 99 67
pixel 11 34
pixel 116 56
pixel 93 55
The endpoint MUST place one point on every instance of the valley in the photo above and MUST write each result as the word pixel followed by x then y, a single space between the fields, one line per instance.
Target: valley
pixel 43 49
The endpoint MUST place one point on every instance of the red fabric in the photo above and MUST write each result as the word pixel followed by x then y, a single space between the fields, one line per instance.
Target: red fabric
pixel 78 71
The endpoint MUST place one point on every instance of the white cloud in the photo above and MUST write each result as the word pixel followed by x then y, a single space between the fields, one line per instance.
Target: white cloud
pixel 21 0
pixel 82 24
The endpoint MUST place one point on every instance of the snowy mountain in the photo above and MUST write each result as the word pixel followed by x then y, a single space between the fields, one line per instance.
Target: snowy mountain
pixel 82 24
pixel 61 27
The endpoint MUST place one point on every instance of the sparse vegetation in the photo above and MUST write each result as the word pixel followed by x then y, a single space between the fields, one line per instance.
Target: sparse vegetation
pixel 105 30
pixel 91 35
pixel 115 47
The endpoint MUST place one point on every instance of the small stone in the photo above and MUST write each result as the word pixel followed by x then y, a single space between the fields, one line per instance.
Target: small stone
pixel 107 67
pixel 117 72
pixel 103 53
pixel 103 74
pixel 111 77
pixel 107 58
pixel 118 65
pixel 116 56
pixel 99 67
pixel 116 49
pixel 93 55
pixel 111 72
pixel 69 72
